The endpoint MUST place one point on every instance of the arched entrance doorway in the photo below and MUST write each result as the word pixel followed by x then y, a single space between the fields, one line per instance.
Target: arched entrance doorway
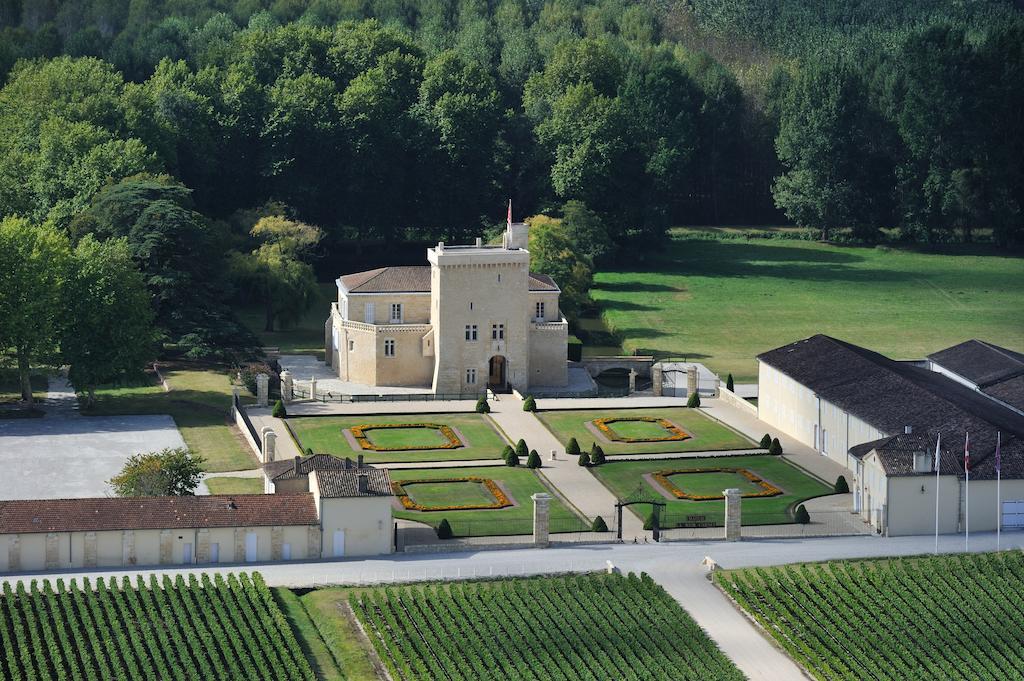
pixel 496 369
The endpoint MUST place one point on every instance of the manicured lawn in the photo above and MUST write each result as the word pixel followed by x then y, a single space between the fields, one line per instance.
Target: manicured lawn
pixel 198 401
pixel 10 385
pixel 235 485
pixel 304 338
pixel 706 433
pixel 325 434
pixel 449 493
pixel 397 438
pixel 518 483
pixel 721 302
pixel 712 483
pixel 639 430
pixel 624 478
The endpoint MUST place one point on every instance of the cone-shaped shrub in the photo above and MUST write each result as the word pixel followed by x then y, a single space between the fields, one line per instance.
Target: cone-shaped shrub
pixel 599 525
pixel 521 448
pixel 766 441
pixel 529 404
pixel 510 458
pixel 596 455
pixel 802 516
pixel 584 459
pixel 533 461
pixel 444 530
pixel 729 385
pixel 693 401
pixel 573 448
pixel 776 447
pixel 842 487
pixel 279 411
pixel 482 407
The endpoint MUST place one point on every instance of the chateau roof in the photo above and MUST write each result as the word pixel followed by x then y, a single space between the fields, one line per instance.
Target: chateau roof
pixel 896 455
pixel 289 470
pixel 156 513
pixel 335 484
pixel 889 395
pixel 415 279
pixel 979 362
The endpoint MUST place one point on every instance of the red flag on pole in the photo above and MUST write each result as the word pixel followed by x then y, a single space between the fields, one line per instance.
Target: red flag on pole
pixel 510 213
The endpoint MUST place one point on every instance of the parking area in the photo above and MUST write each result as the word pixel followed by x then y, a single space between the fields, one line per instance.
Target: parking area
pixel 62 457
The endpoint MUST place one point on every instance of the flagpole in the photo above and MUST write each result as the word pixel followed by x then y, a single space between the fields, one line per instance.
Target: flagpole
pixel 999 500
pixel 967 494
pixel 938 454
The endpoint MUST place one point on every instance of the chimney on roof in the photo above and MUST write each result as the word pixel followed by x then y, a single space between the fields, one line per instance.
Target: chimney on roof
pixel 348 463
pixel 907 430
pixel 479 242
pixel 359 461
pixel 295 465
pixel 362 483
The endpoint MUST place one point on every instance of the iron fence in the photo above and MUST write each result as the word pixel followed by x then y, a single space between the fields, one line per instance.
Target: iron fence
pixel 245 418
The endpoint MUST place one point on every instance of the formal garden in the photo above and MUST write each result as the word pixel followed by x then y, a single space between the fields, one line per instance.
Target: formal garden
pixel 476 501
pixel 643 431
pixel 394 438
pixel 771 488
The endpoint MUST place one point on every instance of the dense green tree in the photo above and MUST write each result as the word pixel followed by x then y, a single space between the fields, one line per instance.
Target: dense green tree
pixel 33 294
pixel 554 252
pixel 169 472
pixel 108 328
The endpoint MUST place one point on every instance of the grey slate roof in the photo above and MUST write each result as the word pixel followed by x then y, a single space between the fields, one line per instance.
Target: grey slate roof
pixel 286 470
pixel 979 362
pixel 1010 391
pixel 335 484
pixel 415 279
pixel 890 395
pixel 896 454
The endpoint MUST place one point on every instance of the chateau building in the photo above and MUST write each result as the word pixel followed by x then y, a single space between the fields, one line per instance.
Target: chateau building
pixel 474 318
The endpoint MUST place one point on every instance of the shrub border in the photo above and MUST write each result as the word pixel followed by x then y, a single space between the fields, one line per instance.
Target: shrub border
pixel 676 433
pixel 501 499
pixel 359 433
pixel 769 490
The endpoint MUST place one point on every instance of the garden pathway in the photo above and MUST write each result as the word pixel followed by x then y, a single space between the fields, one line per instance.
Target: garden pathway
pixel 576 484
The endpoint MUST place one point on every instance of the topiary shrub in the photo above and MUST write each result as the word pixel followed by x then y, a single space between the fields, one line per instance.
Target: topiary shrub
pixel 573 448
pixel 521 448
pixel 584 459
pixel 309 451
pixel 729 385
pixel 841 486
pixel 279 411
pixel 529 404
pixel 482 407
pixel 802 516
pixel 776 447
pixel 596 455
pixel 444 530
pixel 693 401
pixel 510 457
pixel 533 461
pixel 599 525
pixel 649 520
pixel 766 441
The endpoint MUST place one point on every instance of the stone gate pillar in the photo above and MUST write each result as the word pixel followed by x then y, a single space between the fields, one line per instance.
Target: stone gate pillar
pixel 235 393
pixel 541 505
pixel 262 390
pixel 632 381
pixel 312 388
pixel 692 384
pixel 732 514
pixel 287 386
pixel 657 377
pixel 269 444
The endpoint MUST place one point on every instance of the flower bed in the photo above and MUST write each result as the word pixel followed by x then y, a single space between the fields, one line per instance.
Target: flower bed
pixel 767 489
pixel 674 431
pixel 500 499
pixel 361 437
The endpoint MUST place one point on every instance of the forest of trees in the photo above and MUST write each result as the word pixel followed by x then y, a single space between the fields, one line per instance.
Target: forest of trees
pixel 176 125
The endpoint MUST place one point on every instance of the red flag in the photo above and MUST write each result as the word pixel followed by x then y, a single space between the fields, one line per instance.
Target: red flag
pixel 967 452
pixel 510 212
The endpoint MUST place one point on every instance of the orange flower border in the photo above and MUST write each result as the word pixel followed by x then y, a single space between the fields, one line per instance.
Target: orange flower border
pixel 500 499
pixel 768 489
pixel 675 432
pixel 360 434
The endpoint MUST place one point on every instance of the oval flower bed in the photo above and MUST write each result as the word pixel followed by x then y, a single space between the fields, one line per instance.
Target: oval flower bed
pixel 360 435
pixel 673 432
pixel 767 489
pixel 500 499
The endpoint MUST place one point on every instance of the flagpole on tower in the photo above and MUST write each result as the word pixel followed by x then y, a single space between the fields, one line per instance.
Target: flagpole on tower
pixel 999 498
pixel 967 492
pixel 938 455
pixel 510 213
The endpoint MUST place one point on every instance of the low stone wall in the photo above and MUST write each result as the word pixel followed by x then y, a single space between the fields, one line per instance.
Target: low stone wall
pixel 735 400
pixel 239 416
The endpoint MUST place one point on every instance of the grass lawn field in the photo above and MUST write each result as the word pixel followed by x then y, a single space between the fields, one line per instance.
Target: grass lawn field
pixel 518 483
pixel 853 619
pixel 706 434
pixel 623 478
pixel 406 438
pixel 235 485
pixel 469 493
pixel 198 401
pixel 721 302
pixel 325 434
pixel 304 338
pixel 586 627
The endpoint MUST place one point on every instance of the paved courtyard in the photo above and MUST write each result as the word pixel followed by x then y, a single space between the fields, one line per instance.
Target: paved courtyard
pixel 305 367
pixel 62 456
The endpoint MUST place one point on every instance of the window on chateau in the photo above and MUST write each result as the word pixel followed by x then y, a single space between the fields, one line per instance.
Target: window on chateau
pixel 351 345
pixel 396 313
pixel 497 332
pixel 389 347
pixel 539 311
pixel 471 376
pixel 471 334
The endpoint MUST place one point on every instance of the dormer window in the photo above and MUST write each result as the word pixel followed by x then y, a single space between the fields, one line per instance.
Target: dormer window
pixel 922 462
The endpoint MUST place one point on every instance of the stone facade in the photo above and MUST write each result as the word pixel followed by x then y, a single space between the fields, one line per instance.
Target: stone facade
pixel 475 318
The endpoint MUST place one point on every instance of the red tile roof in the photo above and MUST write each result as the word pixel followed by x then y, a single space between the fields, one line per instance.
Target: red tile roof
pixel 156 513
